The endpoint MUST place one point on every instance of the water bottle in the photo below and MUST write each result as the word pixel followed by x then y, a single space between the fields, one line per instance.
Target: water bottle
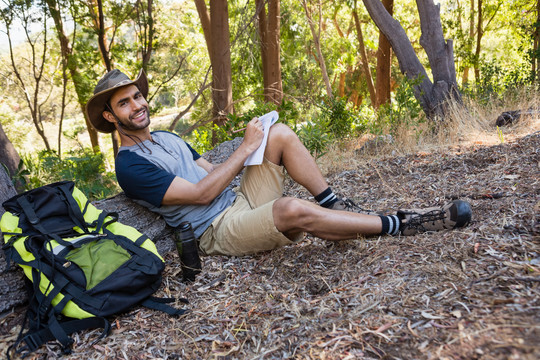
pixel 187 247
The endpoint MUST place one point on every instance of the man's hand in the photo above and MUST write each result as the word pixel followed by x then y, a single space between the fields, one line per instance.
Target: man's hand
pixel 208 188
pixel 254 135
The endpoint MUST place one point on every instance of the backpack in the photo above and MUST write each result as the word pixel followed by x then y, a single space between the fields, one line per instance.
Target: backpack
pixel 82 263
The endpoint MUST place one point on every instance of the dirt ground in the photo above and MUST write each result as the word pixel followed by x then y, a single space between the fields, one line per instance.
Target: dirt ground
pixel 471 293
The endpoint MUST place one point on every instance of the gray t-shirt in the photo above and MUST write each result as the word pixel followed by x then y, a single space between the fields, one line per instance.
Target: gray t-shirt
pixel 145 172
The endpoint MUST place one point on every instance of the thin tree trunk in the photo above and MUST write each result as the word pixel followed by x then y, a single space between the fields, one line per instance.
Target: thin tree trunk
pixel 431 96
pixel 384 60
pixel 71 63
pixel 37 71
pixel 205 23
pixel 317 40
pixel 365 62
pixel 147 38
pixel 221 63
pixel 269 24
pixel 465 76
pixel 102 42
pixel 479 33
pixel 536 45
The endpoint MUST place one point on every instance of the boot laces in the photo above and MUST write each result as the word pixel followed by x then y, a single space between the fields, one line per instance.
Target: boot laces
pixel 419 220
pixel 350 205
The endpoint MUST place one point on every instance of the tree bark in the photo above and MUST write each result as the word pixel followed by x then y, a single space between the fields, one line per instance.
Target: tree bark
pixel 269 30
pixel 221 62
pixel 8 155
pixel 384 60
pixel 12 292
pixel 430 95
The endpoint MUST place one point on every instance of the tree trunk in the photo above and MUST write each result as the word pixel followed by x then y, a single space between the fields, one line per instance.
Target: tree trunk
pixel 479 33
pixel 365 62
pixel 465 76
pixel 12 291
pixel 205 23
pixel 221 61
pixel 71 61
pixel 269 24
pixel 440 52
pixel 536 45
pixel 146 24
pixel 317 40
pixel 8 155
pixel 431 96
pixel 384 60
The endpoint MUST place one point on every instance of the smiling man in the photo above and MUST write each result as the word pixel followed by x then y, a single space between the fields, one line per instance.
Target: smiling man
pixel 162 172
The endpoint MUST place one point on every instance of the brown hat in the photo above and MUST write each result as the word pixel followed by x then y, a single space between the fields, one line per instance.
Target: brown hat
pixel 103 91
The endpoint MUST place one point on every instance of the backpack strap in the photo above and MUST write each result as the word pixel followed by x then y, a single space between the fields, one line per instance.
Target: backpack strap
pixel 35 221
pixel 161 304
pixel 74 210
pixel 60 331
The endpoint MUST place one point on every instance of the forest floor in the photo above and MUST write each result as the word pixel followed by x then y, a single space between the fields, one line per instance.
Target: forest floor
pixel 471 293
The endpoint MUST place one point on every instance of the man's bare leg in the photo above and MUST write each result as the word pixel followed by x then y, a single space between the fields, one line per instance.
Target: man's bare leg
pixel 285 148
pixel 292 216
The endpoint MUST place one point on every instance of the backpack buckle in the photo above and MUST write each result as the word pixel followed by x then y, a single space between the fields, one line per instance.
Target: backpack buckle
pixel 32 341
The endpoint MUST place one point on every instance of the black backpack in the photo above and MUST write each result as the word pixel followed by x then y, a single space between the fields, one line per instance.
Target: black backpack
pixel 82 263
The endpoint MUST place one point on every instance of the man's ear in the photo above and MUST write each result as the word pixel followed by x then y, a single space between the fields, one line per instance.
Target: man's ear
pixel 107 115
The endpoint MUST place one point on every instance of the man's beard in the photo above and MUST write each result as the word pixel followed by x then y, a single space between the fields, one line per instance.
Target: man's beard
pixel 130 125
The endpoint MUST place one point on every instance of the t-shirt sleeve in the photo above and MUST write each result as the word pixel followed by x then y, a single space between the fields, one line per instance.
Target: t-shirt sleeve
pixel 195 154
pixel 140 179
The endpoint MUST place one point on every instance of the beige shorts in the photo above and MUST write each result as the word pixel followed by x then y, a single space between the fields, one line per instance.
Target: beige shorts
pixel 247 226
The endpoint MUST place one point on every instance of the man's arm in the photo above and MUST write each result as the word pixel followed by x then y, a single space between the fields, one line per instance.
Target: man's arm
pixel 207 189
pixel 208 166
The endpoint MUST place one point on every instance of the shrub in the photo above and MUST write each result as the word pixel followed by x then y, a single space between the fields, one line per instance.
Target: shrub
pixel 82 166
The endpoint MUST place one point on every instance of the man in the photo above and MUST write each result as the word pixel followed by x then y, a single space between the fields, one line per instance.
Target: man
pixel 161 171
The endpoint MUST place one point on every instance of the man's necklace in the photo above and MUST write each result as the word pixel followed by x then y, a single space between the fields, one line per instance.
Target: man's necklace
pixel 163 147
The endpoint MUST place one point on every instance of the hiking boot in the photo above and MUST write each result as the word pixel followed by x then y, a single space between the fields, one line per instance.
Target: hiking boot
pixel 348 205
pixel 452 215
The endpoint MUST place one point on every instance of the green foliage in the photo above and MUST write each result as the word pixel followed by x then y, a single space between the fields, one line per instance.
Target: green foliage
pixel 498 81
pixel 202 137
pixel 83 166
pixel 336 121
pixel 500 135
pixel 404 111
pixel 315 138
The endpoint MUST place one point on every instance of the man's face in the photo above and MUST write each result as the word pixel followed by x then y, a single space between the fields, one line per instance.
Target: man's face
pixel 130 107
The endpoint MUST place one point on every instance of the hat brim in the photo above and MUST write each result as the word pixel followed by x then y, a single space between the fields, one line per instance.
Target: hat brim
pixel 96 105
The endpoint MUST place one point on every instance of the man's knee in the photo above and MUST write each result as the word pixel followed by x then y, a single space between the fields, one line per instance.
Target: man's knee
pixel 281 132
pixel 291 214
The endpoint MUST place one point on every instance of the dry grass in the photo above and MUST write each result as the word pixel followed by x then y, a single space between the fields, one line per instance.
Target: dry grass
pixel 467 294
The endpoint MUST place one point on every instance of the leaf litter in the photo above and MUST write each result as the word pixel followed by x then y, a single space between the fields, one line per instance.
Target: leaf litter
pixel 468 293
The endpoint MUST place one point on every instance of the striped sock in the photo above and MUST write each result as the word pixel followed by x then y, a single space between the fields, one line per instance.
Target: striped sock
pixel 390 225
pixel 327 198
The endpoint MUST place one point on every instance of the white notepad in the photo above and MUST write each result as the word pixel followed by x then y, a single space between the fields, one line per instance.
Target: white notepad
pixel 256 157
